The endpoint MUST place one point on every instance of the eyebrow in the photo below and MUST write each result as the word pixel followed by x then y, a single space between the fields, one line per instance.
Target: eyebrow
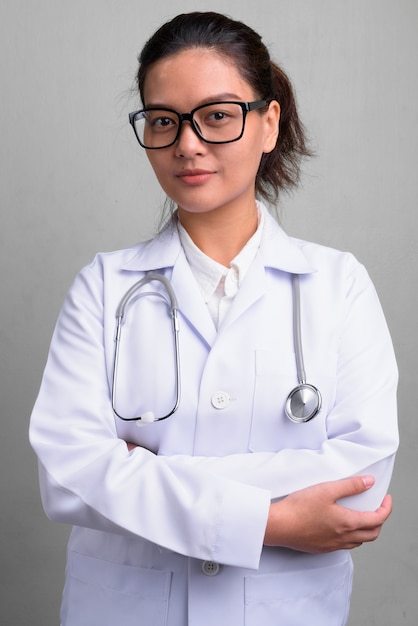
pixel 220 97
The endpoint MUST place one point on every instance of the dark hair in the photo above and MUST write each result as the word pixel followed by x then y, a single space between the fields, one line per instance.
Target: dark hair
pixel 279 169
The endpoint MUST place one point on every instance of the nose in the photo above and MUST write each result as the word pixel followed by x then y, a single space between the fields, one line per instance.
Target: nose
pixel 188 142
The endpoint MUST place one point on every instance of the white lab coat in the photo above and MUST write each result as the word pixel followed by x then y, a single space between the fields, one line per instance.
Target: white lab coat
pixel 171 533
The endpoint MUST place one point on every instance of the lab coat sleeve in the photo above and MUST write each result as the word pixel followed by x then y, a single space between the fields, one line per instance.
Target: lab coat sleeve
pixel 88 478
pixel 362 434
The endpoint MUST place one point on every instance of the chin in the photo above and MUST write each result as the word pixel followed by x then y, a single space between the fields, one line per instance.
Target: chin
pixel 196 206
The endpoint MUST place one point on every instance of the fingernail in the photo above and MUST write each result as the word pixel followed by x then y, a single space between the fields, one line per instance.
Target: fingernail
pixel 368 481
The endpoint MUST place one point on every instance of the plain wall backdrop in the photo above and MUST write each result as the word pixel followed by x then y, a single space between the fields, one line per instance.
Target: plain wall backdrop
pixel 73 181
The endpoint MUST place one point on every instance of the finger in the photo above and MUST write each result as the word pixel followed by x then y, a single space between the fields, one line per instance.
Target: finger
pixel 386 505
pixel 350 486
pixel 349 545
pixel 362 535
pixel 366 536
pixel 372 520
pixel 385 508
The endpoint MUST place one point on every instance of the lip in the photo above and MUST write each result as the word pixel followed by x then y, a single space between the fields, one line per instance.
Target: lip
pixel 195 176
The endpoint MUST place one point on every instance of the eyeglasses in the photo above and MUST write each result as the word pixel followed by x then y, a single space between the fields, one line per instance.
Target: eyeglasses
pixel 217 122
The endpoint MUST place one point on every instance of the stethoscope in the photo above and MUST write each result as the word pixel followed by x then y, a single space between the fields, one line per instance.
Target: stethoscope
pixel 303 402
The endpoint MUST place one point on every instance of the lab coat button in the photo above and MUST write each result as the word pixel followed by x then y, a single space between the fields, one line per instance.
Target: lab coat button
pixel 210 568
pixel 220 400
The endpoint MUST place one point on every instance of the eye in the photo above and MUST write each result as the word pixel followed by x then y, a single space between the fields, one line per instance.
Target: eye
pixel 218 116
pixel 162 122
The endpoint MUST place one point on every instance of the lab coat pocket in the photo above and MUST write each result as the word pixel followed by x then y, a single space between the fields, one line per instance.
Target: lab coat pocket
pixel 271 429
pixel 106 593
pixel 318 597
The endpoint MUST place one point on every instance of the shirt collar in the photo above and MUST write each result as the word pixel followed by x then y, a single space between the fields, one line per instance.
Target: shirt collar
pixel 209 273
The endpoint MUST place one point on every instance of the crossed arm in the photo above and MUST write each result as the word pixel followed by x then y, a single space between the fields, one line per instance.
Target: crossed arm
pixel 311 520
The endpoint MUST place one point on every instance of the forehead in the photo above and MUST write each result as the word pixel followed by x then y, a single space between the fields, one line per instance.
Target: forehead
pixel 193 76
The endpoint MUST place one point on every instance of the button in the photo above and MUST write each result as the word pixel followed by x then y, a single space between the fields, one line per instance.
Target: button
pixel 210 568
pixel 220 400
pixel 231 284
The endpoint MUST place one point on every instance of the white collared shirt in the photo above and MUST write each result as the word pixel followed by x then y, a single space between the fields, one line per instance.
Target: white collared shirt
pixel 219 284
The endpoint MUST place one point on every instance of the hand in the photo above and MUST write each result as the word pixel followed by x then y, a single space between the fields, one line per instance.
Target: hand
pixel 310 520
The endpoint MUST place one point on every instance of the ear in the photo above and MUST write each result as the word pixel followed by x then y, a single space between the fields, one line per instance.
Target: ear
pixel 272 119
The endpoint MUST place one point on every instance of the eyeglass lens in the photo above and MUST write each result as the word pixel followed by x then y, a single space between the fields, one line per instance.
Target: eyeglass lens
pixel 217 123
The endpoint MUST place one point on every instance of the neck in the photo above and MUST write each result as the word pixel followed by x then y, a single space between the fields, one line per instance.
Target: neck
pixel 221 234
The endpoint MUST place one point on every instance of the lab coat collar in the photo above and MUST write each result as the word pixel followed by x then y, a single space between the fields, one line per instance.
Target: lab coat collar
pixel 158 253
pixel 277 250
pixel 165 252
pixel 281 252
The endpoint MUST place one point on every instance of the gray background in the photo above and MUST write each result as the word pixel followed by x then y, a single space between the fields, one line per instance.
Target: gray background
pixel 73 181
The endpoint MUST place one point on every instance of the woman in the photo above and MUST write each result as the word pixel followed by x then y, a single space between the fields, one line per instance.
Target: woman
pixel 226 511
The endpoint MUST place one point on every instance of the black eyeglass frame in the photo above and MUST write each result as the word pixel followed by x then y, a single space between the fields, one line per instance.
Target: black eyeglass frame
pixel 188 117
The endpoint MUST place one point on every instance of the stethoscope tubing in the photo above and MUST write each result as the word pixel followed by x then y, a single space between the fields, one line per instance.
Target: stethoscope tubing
pixel 120 313
pixel 303 402
pixel 297 332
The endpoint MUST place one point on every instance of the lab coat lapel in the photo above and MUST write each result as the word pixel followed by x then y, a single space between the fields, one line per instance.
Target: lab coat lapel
pixel 165 253
pixel 253 287
pixel 278 252
pixel 190 300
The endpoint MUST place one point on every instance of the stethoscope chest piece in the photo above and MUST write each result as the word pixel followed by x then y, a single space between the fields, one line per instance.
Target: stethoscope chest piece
pixel 303 403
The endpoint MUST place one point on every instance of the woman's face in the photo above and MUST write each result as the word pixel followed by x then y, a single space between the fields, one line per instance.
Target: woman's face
pixel 199 176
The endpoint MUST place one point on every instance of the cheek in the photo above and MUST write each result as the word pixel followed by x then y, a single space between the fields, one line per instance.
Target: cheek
pixel 246 162
pixel 153 159
pixel 160 166
pixel 251 147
